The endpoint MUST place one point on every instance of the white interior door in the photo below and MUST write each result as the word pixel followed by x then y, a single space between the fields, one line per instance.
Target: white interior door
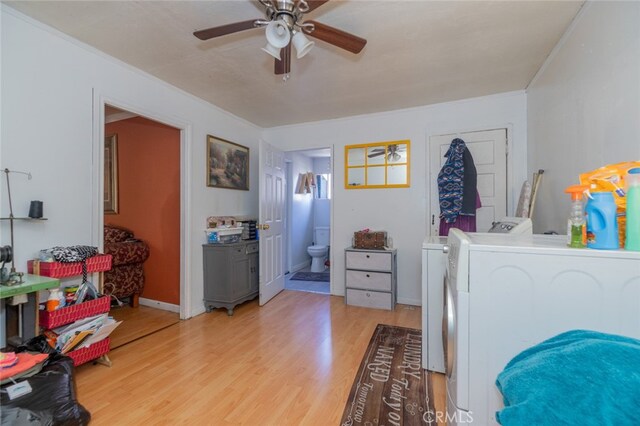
pixel 489 151
pixel 271 221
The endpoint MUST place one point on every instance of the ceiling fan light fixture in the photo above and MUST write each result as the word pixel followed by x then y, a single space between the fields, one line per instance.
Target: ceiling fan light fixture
pixel 301 43
pixel 278 34
pixel 285 25
pixel 273 51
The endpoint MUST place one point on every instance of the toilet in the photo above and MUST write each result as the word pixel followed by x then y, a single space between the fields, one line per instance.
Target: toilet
pixel 319 250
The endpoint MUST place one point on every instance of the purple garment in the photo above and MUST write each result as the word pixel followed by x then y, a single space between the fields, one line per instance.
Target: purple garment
pixel 466 223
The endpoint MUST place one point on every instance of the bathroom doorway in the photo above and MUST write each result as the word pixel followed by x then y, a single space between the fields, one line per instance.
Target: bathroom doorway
pixel 308 220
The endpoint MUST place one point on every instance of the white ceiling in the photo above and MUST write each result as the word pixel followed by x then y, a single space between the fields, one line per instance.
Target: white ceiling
pixel 418 52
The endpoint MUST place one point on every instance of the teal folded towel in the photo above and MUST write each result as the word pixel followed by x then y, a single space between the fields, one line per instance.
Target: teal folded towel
pixel 575 378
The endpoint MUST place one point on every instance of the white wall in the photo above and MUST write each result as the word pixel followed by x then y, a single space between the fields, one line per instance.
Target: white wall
pixel 322 212
pixel 584 105
pixel 402 212
pixel 321 206
pixel 50 87
pixel 301 214
pixel 322 165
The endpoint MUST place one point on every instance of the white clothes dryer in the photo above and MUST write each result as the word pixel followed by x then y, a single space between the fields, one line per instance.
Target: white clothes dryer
pixel 505 294
pixel 433 266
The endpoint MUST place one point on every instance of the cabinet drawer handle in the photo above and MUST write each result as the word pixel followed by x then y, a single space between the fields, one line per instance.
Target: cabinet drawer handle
pixel 368 256
pixel 368 294
pixel 368 276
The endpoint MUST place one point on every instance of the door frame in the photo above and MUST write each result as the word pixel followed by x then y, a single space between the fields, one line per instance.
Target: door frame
pixel 509 161
pixel 97 216
pixel 288 177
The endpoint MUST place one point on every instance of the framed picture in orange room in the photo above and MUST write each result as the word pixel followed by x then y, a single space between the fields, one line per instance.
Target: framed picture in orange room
pixel 111 174
pixel 227 164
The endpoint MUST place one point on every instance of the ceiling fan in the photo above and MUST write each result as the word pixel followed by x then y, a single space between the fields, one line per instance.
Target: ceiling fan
pixel 391 151
pixel 285 26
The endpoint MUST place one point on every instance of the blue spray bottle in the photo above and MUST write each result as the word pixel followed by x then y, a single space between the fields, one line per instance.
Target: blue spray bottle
pixel 602 223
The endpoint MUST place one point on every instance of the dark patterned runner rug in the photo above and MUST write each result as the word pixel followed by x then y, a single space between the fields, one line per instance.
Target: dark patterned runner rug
pixel 311 276
pixel 391 388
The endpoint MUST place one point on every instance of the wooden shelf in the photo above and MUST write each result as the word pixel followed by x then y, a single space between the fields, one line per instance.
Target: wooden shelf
pixel 24 218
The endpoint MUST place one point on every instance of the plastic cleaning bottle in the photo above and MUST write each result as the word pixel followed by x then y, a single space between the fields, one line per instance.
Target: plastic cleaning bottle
pixel 576 224
pixel 632 236
pixel 602 223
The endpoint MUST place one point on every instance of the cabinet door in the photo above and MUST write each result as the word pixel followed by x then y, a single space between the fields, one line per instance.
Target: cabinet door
pixel 240 285
pixel 217 273
pixel 254 270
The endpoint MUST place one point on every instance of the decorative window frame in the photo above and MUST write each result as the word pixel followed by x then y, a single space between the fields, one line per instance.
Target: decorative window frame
pixel 367 167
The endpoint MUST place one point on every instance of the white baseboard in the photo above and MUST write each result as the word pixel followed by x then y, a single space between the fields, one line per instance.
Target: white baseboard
pixel 159 305
pixel 406 301
pixel 198 311
pixel 300 266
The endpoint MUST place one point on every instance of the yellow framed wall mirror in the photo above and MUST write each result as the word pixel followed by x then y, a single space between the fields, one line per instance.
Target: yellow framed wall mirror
pixel 377 165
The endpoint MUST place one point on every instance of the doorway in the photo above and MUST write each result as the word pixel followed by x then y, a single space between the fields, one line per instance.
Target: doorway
pixel 489 151
pixel 141 223
pixel 308 220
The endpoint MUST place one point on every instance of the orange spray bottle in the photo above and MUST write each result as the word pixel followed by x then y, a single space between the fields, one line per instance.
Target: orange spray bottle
pixel 576 224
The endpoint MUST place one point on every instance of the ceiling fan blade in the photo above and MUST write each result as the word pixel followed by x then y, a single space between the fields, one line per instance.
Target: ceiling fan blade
pixel 377 154
pixel 339 38
pixel 314 4
pixel 225 29
pixel 284 66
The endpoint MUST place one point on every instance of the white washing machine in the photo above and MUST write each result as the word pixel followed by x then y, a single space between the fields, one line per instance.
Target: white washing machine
pixel 505 294
pixel 433 267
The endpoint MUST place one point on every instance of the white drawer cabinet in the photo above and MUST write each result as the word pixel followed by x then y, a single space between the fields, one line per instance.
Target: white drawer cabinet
pixel 370 278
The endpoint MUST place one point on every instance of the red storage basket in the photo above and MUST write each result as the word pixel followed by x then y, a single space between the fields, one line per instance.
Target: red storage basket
pixel 73 313
pixel 98 263
pixel 82 355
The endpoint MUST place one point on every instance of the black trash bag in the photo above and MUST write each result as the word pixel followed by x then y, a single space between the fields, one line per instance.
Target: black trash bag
pixel 36 344
pixel 22 416
pixel 52 400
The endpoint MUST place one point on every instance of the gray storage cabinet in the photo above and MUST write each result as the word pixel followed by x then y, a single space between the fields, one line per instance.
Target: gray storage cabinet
pixel 370 278
pixel 230 274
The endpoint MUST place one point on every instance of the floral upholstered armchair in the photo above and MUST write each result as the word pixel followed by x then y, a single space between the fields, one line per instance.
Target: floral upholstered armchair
pixel 126 277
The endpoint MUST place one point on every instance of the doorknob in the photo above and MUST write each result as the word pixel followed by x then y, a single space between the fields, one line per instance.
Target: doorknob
pixel 263 227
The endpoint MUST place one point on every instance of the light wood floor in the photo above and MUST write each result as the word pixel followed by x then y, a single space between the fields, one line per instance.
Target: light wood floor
pixel 139 322
pixel 291 362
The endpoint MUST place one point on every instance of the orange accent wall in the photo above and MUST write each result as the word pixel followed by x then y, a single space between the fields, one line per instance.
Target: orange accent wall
pixel 149 199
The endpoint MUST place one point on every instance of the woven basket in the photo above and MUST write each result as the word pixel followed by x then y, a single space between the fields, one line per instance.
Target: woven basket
pixel 375 240
pixel 73 313
pixel 82 355
pixel 99 263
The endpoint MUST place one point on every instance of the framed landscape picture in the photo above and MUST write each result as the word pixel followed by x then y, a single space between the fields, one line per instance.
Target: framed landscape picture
pixel 227 164
pixel 111 174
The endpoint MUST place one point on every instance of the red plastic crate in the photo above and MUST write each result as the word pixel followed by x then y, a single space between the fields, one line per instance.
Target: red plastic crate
pixel 98 263
pixel 82 355
pixel 73 313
